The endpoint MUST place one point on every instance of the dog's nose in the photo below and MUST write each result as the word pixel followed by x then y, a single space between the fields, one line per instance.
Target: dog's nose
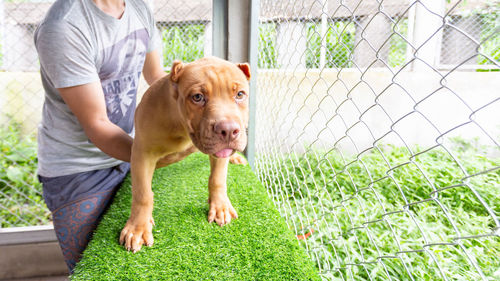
pixel 227 130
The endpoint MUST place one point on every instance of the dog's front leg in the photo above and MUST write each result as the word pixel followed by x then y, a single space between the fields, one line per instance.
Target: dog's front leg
pixel 138 229
pixel 220 209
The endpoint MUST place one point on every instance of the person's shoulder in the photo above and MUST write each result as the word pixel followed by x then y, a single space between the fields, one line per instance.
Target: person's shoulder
pixel 141 6
pixel 57 17
pixel 53 28
pixel 62 18
pixel 60 11
pixel 139 3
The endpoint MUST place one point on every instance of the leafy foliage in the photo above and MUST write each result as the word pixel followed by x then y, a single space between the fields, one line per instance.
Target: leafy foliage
pixel 21 202
pixel 267 46
pixel 394 213
pixel 398 43
pixel 490 38
pixel 339 40
pixel 182 42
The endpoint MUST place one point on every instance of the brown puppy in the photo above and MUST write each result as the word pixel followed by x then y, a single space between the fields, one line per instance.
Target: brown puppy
pixel 203 106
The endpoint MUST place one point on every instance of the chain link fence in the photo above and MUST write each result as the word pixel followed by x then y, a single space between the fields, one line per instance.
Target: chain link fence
pixel 185 29
pixel 378 134
pixel 21 98
pixel 377 127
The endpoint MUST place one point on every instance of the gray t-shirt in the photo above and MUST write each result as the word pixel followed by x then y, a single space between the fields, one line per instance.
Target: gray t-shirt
pixel 78 43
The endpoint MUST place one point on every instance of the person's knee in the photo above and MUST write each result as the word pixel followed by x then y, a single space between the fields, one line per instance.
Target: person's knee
pixel 74 224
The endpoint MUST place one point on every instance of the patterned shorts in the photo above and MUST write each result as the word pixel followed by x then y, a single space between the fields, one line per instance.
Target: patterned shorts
pixel 77 203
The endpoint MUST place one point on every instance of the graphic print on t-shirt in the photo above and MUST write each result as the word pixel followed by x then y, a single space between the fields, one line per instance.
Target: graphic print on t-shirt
pixel 119 74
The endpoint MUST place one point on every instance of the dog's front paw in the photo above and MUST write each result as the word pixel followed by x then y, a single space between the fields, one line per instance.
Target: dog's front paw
pixel 237 159
pixel 221 211
pixel 136 233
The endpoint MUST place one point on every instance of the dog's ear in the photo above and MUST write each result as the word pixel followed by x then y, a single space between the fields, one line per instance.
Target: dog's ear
pixel 175 73
pixel 245 67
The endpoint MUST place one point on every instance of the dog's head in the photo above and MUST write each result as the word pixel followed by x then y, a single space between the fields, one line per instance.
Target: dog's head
pixel 212 95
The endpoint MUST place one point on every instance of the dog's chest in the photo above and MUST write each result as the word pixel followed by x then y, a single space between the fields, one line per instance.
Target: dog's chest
pixel 174 157
pixel 179 143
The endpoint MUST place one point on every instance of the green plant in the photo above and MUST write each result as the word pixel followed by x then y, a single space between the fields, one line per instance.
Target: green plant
pixel 489 38
pixel 186 43
pixel 339 38
pixel 182 42
pixel 398 43
pixel 393 213
pixel 267 46
pixel 21 202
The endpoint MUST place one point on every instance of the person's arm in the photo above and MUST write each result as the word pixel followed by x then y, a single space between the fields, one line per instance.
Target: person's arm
pixel 88 105
pixel 152 69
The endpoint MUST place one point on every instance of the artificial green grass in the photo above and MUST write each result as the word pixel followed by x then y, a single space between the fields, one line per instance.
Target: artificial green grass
pixel 256 246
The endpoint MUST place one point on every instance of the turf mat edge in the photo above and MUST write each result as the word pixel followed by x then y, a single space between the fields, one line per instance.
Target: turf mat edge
pixel 256 246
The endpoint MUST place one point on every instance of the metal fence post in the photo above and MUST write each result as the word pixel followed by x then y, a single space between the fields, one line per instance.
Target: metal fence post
pixel 428 22
pixel 253 51
pixel 219 28
pixel 2 31
pixel 235 35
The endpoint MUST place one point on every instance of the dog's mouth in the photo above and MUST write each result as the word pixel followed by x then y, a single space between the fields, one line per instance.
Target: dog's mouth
pixel 224 153
pixel 208 141
pixel 216 148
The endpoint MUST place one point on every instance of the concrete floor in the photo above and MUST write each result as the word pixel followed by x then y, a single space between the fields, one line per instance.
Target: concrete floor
pixel 49 278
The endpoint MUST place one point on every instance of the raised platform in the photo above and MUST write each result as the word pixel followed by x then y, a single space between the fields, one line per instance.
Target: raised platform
pixel 256 246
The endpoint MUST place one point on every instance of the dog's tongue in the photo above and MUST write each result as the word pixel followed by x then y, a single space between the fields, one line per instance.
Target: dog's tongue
pixel 224 153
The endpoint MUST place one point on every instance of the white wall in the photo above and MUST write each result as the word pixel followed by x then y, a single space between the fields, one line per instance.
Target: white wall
pixel 352 112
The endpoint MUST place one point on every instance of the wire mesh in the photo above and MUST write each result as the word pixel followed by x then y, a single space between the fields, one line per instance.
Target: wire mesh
pixel 378 135
pixel 377 128
pixel 185 30
pixel 21 94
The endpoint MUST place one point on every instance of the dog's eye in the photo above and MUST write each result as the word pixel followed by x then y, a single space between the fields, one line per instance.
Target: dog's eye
pixel 240 96
pixel 198 98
